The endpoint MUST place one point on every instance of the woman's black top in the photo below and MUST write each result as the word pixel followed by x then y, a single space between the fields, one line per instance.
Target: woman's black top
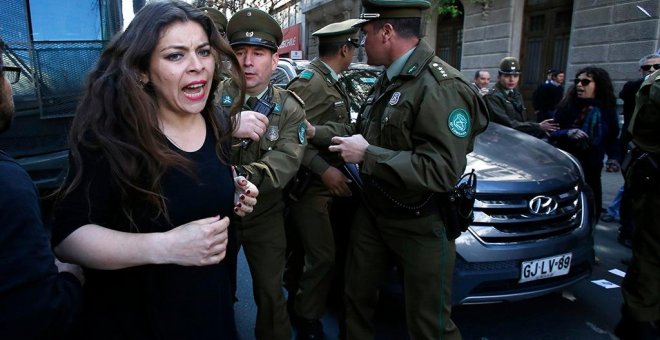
pixel 154 301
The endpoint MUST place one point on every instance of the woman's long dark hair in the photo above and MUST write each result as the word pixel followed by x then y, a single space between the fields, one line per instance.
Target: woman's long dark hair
pixel 604 90
pixel 118 116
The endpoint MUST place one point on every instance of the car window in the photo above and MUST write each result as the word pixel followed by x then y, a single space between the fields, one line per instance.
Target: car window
pixel 358 82
pixel 280 77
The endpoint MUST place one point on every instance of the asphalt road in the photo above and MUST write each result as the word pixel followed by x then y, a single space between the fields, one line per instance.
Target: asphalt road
pixel 583 311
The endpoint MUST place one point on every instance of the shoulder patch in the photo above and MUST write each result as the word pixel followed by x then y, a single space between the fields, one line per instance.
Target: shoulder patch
pixel 306 74
pixel 459 123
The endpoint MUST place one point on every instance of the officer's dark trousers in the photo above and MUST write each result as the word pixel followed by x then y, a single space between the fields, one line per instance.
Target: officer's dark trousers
pixel 419 247
pixel 311 221
pixel 264 245
pixel 641 286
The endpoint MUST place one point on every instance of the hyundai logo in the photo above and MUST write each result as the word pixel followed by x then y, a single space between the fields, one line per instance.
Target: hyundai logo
pixel 542 205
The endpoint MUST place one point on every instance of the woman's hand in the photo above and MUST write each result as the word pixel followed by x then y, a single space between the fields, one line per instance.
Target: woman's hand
pixel 197 243
pixel 245 196
pixel 577 134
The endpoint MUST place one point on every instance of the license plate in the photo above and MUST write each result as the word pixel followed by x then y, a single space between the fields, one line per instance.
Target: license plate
pixel 546 267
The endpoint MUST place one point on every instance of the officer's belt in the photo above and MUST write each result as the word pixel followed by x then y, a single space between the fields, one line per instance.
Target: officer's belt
pixel 382 202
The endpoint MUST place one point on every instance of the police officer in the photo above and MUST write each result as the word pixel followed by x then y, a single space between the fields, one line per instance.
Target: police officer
pixel 641 285
pixel 325 100
pixel 411 139
pixel 219 19
pixel 270 162
pixel 506 106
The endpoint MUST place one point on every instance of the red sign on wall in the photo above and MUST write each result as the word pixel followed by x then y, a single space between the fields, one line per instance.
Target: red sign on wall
pixel 291 40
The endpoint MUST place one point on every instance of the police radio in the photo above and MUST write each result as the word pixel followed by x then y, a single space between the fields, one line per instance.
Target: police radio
pixel 261 106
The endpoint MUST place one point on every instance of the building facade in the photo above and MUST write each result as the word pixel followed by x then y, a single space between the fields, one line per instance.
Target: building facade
pixel 542 34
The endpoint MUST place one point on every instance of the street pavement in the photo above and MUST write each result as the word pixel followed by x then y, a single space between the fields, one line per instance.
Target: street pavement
pixel 583 311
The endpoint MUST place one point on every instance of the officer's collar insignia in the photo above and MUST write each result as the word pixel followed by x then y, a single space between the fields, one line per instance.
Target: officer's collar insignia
pixel 370 100
pixel 249 34
pixel 273 133
pixel 277 108
pixel 412 69
pixel 307 74
pixel 227 100
pixel 459 123
pixel 395 98
pixel 302 131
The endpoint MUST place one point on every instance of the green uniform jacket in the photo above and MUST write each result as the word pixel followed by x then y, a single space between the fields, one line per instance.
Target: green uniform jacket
pixel 420 128
pixel 510 110
pixel 325 101
pixel 645 122
pixel 273 160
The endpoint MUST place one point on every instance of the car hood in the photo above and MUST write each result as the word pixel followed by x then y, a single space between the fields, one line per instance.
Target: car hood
pixel 509 161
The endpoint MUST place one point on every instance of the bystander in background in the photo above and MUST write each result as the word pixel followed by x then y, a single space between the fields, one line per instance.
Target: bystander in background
pixel 40 297
pixel 588 125
pixel 548 95
pixel 481 81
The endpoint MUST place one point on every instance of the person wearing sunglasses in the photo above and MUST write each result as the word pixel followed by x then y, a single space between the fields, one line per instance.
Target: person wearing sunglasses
pixel 640 312
pixel 619 208
pixel 588 125
pixel 40 297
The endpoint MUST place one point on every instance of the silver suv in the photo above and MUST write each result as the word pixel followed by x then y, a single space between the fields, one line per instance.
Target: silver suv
pixel 534 215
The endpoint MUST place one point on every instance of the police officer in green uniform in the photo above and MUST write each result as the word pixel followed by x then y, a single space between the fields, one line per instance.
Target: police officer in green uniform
pixel 641 285
pixel 506 106
pixel 411 140
pixel 325 100
pixel 219 19
pixel 269 163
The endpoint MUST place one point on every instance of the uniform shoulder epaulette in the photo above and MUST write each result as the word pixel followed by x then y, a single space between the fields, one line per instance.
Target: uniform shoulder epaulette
pixel 306 74
pixel 294 95
pixel 440 71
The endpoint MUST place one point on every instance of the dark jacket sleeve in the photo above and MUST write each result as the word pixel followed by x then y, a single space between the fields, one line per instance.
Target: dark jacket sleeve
pixel 35 300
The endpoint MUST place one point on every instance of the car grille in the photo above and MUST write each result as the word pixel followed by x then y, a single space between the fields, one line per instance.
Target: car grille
pixel 518 218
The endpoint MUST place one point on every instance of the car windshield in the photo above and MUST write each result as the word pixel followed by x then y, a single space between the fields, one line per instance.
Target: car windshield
pixel 358 80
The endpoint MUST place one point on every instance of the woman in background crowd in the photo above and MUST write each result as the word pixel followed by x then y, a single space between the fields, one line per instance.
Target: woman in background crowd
pixel 588 125
pixel 145 208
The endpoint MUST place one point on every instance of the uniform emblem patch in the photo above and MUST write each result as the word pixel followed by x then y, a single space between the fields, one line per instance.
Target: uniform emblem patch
pixel 302 131
pixel 395 98
pixel 277 108
pixel 273 133
pixel 459 123
pixel 227 100
pixel 306 74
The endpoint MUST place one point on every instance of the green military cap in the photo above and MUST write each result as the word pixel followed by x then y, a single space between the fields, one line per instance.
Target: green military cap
pixel 344 31
pixel 510 65
pixel 389 9
pixel 219 19
pixel 252 26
